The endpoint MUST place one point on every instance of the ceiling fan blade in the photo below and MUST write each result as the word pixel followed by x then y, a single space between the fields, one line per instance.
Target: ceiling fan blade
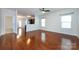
pixel 43 9
pixel 47 10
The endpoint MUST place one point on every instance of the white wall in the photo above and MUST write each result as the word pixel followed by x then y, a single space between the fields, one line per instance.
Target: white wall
pixel 0 21
pixel 7 12
pixel 78 22
pixel 78 27
pixel 53 22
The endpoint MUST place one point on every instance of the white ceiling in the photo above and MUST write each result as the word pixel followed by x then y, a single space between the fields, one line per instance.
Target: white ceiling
pixel 34 11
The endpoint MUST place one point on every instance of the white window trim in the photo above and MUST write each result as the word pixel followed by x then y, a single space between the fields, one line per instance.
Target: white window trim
pixel 67 22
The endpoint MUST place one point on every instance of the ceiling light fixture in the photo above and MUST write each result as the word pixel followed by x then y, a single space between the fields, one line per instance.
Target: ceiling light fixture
pixel 43 12
pixel 20 16
pixel 28 16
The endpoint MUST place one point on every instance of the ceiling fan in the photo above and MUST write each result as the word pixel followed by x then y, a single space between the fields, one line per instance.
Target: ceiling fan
pixel 44 10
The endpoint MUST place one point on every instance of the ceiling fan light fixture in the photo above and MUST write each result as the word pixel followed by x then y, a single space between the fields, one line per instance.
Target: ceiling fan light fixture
pixel 43 12
pixel 20 16
pixel 28 16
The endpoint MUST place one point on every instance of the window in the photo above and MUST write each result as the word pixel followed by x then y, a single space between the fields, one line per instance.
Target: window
pixel 66 21
pixel 43 22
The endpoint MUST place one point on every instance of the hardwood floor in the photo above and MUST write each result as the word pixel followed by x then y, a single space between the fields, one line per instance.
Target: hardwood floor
pixel 39 40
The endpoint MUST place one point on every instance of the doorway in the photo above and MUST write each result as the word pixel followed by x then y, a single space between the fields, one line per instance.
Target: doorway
pixel 8 25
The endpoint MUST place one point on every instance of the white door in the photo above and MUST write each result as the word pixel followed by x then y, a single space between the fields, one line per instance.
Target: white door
pixel 8 24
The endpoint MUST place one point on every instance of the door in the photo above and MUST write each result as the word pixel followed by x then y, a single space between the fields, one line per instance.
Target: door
pixel 8 24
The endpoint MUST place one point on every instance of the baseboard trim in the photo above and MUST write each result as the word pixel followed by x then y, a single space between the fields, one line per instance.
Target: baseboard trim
pixel 60 32
pixel 5 33
pixel 1 34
